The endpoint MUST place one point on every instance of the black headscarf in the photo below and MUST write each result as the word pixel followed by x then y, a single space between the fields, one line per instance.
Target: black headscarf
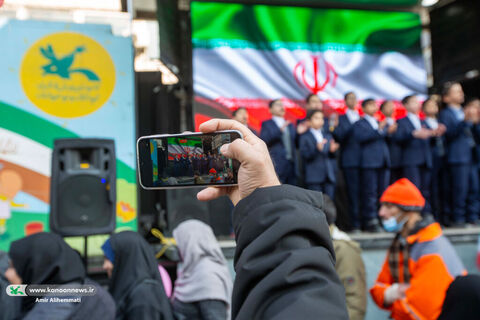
pixel 462 300
pixel 45 258
pixel 135 263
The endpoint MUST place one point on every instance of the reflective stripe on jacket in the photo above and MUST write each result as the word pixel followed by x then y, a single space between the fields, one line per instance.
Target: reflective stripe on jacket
pixel 433 265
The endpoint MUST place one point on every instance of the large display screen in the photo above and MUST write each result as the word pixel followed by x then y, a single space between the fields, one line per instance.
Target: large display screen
pixel 246 55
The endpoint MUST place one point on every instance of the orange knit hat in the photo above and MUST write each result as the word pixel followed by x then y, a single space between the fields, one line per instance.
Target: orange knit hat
pixel 404 194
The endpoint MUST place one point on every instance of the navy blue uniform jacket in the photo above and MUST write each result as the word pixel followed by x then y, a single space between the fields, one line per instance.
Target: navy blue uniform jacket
pixel 318 168
pixel 415 152
pixel 349 147
pixel 373 147
pixel 458 138
pixel 272 135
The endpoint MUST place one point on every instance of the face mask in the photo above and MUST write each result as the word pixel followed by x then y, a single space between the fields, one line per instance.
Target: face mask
pixel 391 224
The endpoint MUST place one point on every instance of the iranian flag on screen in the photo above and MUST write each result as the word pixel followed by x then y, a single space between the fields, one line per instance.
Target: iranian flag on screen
pixel 184 146
pixel 246 55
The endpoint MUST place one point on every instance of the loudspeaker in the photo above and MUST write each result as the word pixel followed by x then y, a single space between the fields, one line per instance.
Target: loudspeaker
pixel 83 187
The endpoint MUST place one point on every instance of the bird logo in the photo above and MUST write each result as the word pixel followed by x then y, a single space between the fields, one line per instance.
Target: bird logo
pixel 62 67
pixel 68 74
pixel 15 290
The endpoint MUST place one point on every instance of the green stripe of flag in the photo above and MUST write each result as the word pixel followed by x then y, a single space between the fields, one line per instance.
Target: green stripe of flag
pixel 274 27
pixel 190 142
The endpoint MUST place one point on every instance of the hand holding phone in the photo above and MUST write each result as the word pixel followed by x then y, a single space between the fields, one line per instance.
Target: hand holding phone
pixel 186 160
pixel 256 167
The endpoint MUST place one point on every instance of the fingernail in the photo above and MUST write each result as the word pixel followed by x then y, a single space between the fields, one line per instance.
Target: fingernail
pixel 224 148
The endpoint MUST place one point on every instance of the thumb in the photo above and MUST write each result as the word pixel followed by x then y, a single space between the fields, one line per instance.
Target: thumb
pixel 238 149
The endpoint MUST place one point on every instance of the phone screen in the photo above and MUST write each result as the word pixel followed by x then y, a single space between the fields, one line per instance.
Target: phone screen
pixel 186 160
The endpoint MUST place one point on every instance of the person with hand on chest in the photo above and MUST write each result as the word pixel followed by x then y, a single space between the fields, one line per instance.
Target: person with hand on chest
pixel 438 191
pixel 350 157
pixel 460 143
pixel 279 135
pixel 387 108
pixel 374 163
pixel 315 147
pixel 414 137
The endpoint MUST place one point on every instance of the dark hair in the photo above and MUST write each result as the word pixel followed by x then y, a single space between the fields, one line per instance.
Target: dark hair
pixel 329 209
pixel 270 104
pixel 367 101
pixel 234 113
pixel 307 99
pixel 384 103
pixel 426 101
pixel 347 94
pixel 311 113
pixel 447 86
pixel 407 99
pixel 470 100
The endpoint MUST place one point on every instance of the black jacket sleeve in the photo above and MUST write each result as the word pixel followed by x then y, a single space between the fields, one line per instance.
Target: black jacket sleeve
pixel 284 260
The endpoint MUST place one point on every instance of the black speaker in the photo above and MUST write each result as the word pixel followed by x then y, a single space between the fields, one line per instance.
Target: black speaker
pixel 83 187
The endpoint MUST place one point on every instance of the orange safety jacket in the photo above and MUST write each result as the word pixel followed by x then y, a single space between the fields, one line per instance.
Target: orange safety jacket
pixel 433 264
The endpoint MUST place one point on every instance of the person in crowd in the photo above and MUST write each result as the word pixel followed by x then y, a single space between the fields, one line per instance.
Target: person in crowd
pixel 420 264
pixel 280 135
pixel 9 306
pixel 374 163
pixel 462 300
pixel 190 169
pixel 284 259
pixel 45 258
pixel 387 108
pixel 312 102
pixel 203 289
pixel 349 265
pixel 414 137
pixel 460 142
pixel 315 146
pixel 438 195
pixel 350 157
pixel 211 162
pixel 176 165
pixel 219 163
pixel 204 164
pixel 474 104
pixel 135 282
pixel 241 115
pixel 194 160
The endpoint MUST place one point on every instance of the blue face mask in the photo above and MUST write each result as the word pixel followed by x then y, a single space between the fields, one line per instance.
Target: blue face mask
pixel 392 225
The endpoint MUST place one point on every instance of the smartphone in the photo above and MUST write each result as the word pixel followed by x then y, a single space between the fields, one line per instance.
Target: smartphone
pixel 186 160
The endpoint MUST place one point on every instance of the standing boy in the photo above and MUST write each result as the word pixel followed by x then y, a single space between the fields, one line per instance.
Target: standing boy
pixel 315 146
pixel 414 137
pixel 350 157
pixel 374 163
pixel 387 108
pixel 279 135
pixel 438 195
pixel 460 141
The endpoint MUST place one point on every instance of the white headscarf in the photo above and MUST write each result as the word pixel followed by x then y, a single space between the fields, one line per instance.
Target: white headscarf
pixel 203 273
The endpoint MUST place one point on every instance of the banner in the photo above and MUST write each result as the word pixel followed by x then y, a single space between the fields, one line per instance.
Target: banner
pixel 60 80
pixel 246 55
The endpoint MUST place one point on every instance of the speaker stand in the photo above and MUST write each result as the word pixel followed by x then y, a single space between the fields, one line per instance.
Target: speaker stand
pixel 85 253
